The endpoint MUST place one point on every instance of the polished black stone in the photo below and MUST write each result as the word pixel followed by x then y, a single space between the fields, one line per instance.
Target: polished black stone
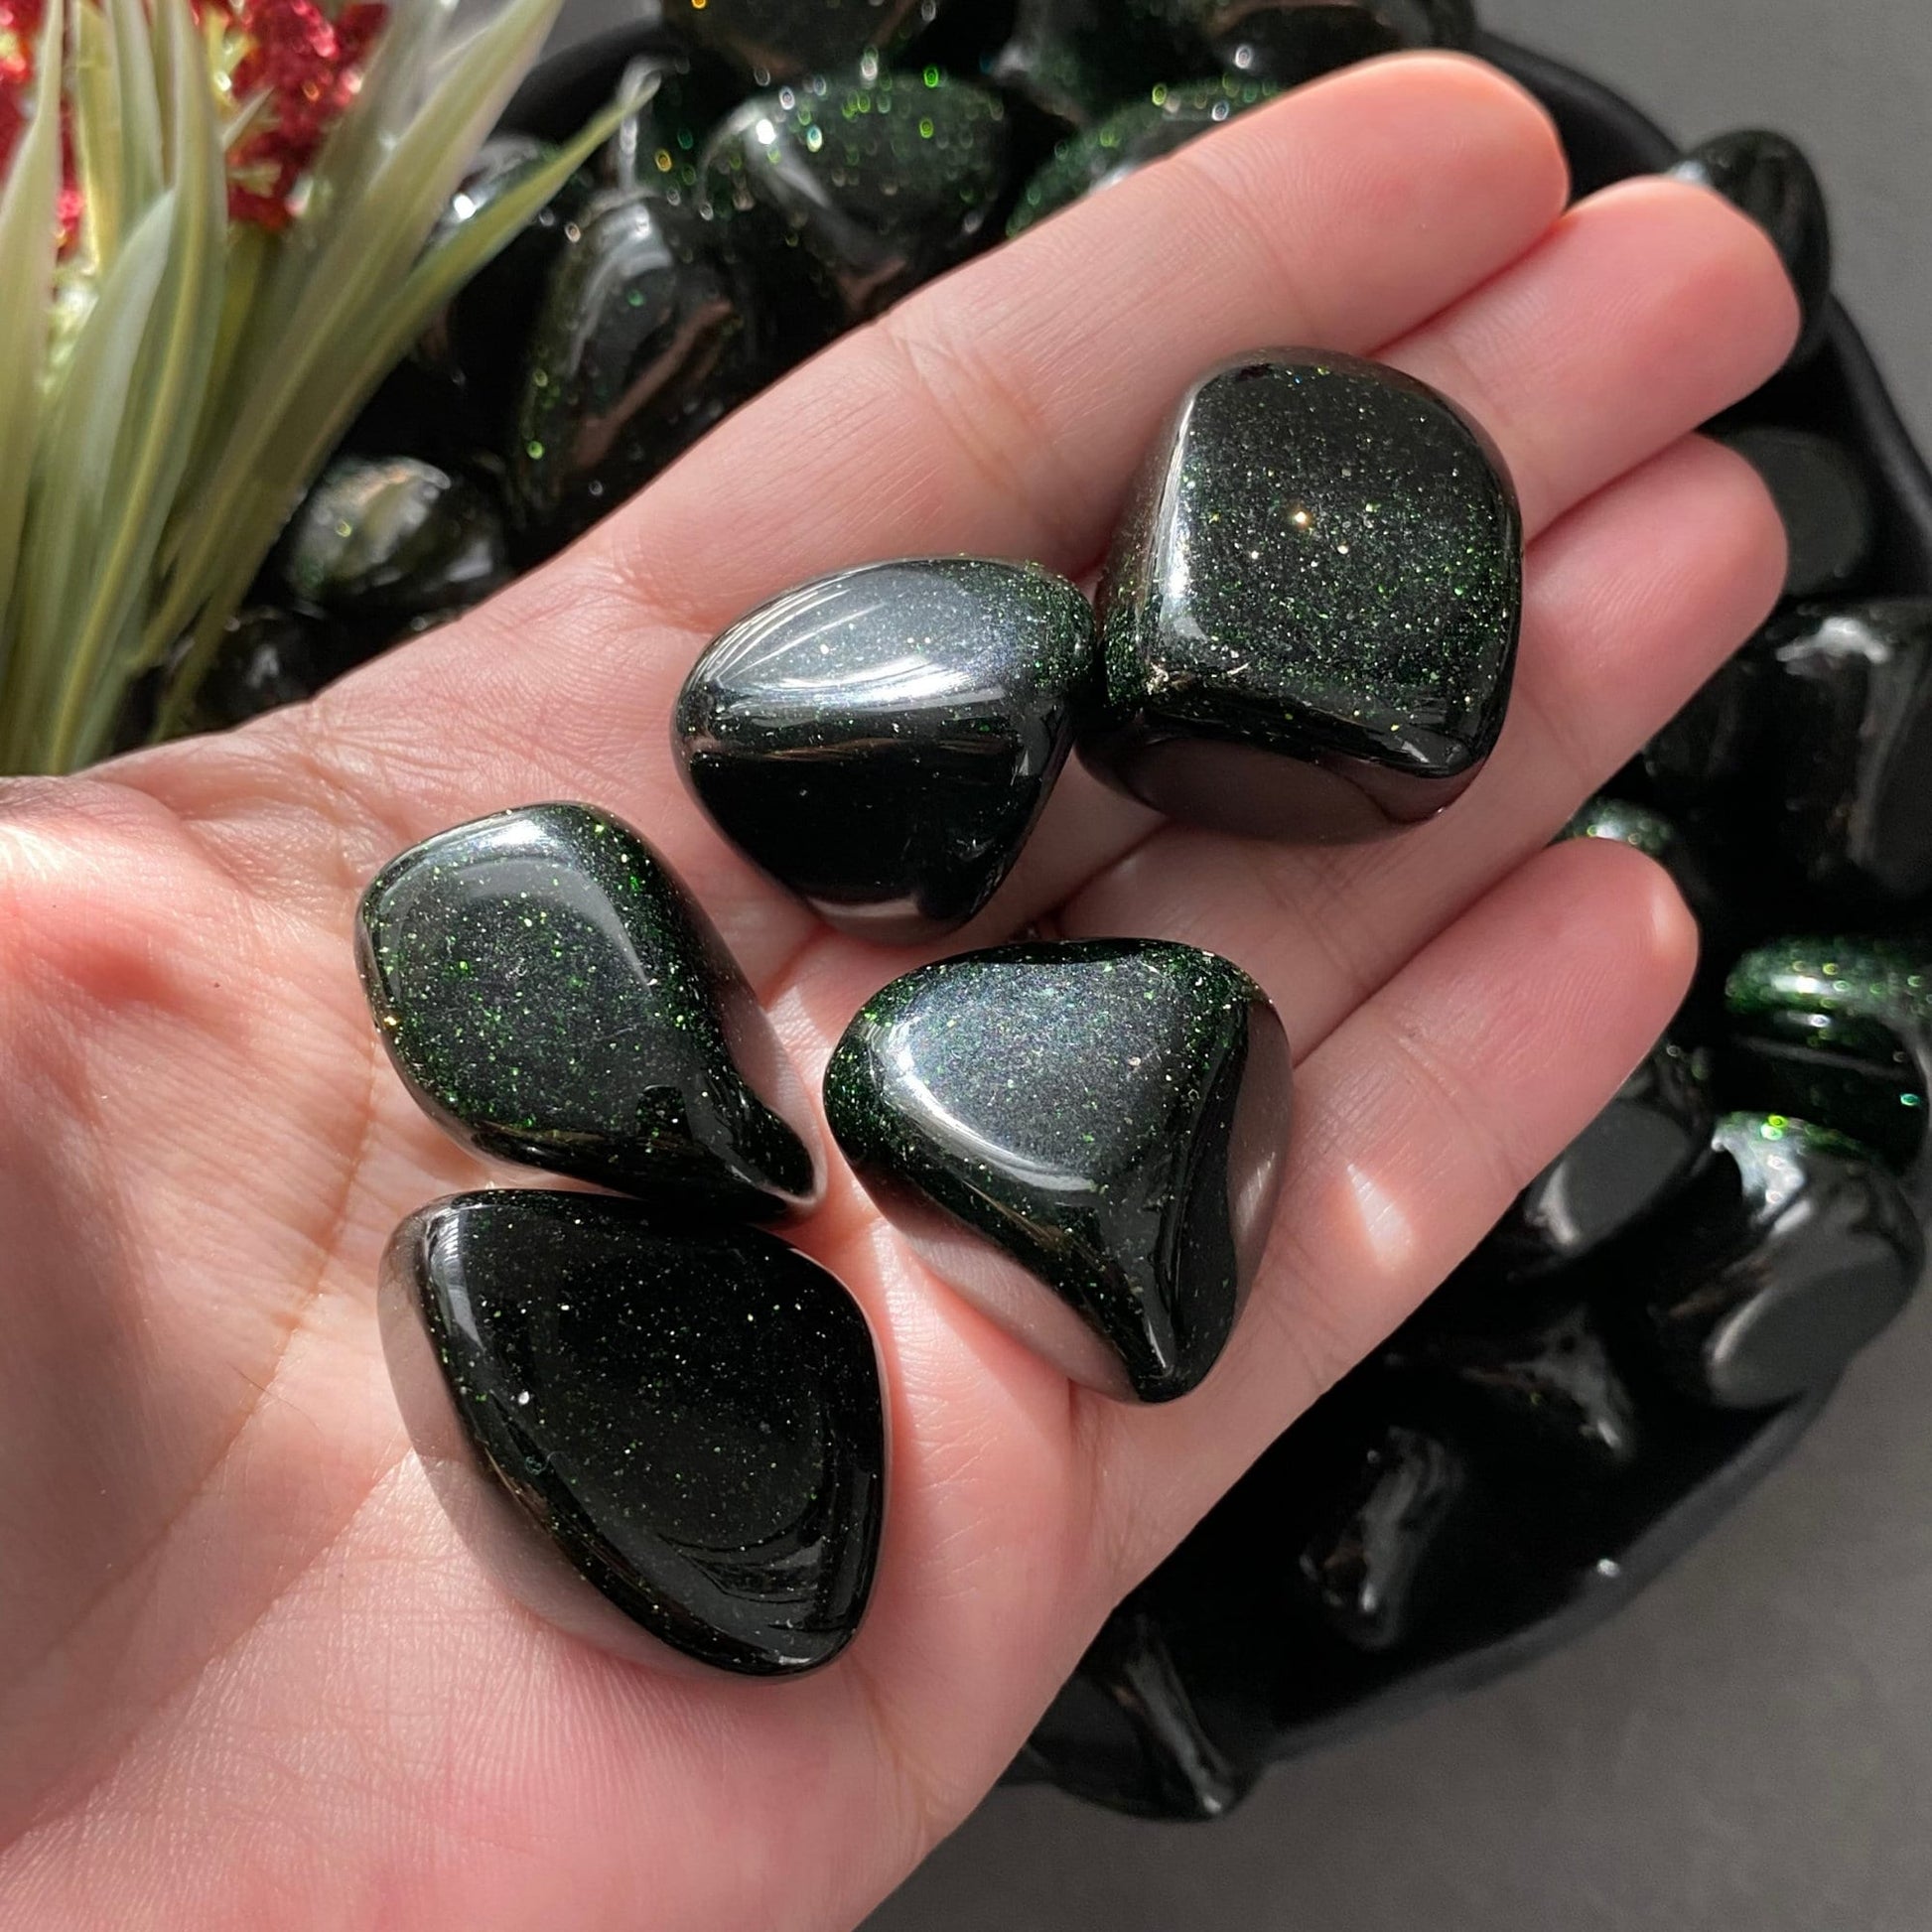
pixel 1369 1566
pixel 391 537
pixel 1144 130
pixel 479 343
pixel 1838 1032
pixel 1768 178
pixel 1291 41
pixel 551 994
pixel 1127 1731
pixel 659 146
pixel 1079 59
pixel 1309 620
pixel 1793 1253
pixel 646 338
pixel 881 740
pixel 1831 522
pixel 269 658
pixel 646 1432
pixel 1710 752
pixel 1107 1116
pixel 1635 1155
pixel 1847 744
pixel 787 40
pixel 1549 1384
pixel 847 191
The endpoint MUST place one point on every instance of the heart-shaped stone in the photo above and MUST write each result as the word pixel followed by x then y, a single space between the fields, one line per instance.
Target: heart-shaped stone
pixel 1309 620
pixel 881 740
pixel 552 994
pixel 644 1431
pixel 1105 1117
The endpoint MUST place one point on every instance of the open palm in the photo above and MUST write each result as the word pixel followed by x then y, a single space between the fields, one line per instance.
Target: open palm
pixel 248 1676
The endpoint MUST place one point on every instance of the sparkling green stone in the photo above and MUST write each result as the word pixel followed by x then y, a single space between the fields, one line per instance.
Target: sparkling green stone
pixel 550 993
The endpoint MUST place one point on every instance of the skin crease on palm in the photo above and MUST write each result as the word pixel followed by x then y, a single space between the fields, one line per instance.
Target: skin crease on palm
pixel 248 1676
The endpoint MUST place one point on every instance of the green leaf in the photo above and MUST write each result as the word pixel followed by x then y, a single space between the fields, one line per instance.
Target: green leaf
pixel 161 409
pixel 354 279
pixel 74 482
pixel 140 128
pixel 29 204
pixel 96 104
pixel 348 381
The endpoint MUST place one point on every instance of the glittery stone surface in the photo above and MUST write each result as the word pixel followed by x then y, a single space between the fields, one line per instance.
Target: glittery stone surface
pixel 551 994
pixel 1838 1032
pixel 1078 60
pixel 1657 837
pixel 1768 177
pixel 1167 117
pixel 1830 523
pixel 645 340
pixel 852 190
pixel 659 146
pixel 785 40
pixel 390 536
pixel 1635 1155
pixel 1309 620
pixel 687 1422
pixel 1106 1117
pixel 883 740
pixel 1795 1251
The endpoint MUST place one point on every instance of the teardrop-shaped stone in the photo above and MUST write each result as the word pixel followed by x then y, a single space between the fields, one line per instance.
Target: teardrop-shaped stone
pixel 1767 176
pixel 850 190
pixel 1309 620
pixel 1796 1250
pixel 646 340
pixel 392 537
pixel 1839 1031
pixel 552 994
pixel 1130 137
pixel 644 1431
pixel 1107 1117
pixel 1638 1153
pixel 1830 523
pixel 786 40
pixel 881 740
pixel 1079 59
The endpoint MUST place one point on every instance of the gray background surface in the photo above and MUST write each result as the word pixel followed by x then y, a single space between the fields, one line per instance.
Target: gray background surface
pixel 1748 1749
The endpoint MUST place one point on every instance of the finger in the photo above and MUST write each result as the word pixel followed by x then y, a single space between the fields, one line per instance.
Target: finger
pixel 1644 312
pixel 1632 602
pixel 1000 411
pixel 1416 1124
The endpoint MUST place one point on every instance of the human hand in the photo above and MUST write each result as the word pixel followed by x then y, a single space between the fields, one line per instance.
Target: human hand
pixel 247 1675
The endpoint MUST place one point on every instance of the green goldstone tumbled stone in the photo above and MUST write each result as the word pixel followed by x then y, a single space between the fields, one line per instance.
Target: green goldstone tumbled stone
pixel 1309 620
pixel 1291 40
pixel 1078 60
pixel 859 186
pixel 1838 1032
pixel 550 993
pixel 645 1431
pixel 1130 137
pixel 1108 1118
pixel 881 740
